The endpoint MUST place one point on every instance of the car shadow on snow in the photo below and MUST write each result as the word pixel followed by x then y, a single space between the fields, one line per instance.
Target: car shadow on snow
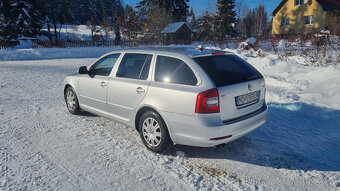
pixel 296 136
pixel 88 114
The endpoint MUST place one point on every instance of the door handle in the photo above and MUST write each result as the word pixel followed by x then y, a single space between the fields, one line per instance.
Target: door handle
pixel 140 90
pixel 103 84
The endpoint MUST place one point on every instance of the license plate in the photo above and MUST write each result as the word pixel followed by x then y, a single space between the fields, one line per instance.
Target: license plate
pixel 247 98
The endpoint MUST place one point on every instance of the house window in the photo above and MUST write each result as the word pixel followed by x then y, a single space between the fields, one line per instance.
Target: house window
pixel 298 2
pixel 285 22
pixel 309 20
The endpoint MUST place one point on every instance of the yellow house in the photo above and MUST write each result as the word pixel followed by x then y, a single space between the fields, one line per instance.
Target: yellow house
pixel 300 16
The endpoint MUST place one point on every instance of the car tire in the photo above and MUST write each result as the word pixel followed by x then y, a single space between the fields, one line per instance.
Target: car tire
pixel 72 101
pixel 153 132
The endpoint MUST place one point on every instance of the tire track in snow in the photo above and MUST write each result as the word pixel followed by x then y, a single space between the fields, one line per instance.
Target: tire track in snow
pixel 94 134
pixel 37 159
pixel 196 174
pixel 40 127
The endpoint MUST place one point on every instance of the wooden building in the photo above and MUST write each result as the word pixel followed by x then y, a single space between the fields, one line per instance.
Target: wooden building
pixel 177 33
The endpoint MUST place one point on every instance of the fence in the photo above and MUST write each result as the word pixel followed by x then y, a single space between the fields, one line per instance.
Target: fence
pixel 72 44
pixel 4 45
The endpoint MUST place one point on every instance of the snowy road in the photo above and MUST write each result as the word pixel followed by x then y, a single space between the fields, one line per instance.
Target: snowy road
pixel 43 147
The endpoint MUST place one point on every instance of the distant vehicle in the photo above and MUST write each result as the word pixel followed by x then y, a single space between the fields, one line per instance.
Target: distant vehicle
pixel 172 95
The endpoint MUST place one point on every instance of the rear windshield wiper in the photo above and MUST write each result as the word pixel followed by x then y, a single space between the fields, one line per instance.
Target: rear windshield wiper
pixel 251 78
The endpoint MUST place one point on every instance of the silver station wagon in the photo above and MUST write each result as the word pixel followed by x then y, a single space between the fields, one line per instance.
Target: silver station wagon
pixel 186 96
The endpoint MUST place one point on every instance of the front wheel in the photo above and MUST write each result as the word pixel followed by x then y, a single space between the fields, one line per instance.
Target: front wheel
pixel 72 101
pixel 153 132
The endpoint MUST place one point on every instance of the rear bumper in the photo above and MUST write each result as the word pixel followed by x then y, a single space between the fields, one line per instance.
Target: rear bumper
pixel 197 131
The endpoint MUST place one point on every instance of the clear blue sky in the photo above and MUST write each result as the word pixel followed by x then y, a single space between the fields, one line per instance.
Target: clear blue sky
pixel 201 5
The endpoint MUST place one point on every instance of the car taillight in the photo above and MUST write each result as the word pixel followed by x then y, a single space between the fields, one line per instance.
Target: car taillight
pixel 208 102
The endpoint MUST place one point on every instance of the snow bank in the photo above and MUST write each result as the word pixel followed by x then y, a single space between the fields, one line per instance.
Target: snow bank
pixel 282 45
pixel 248 44
pixel 53 53
pixel 60 53
pixel 291 80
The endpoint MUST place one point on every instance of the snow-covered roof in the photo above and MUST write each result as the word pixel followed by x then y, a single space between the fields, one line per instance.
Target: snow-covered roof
pixel 173 27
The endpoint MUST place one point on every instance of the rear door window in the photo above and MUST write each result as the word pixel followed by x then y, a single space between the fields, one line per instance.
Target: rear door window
pixel 173 70
pixel 135 66
pixel 227 69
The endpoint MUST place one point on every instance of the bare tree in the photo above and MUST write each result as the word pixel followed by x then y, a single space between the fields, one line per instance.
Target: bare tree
pixel 335 25
pixel 92 25
pixel 130 25
pixel 259 21
pixel 156 20
pixel 107 28
pixel 246 23
pixel 238 8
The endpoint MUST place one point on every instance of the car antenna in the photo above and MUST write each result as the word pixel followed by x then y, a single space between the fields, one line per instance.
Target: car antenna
pixel 200 47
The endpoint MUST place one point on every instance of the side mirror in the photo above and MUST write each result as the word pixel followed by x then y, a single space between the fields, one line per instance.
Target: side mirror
pixel 83 70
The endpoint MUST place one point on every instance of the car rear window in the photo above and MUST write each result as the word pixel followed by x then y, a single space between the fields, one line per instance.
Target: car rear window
pixel 227 69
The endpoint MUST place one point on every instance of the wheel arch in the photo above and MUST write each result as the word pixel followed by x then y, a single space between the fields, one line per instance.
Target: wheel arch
pixel 141 111
pixel 71 82
pixel 66 86
pixel 144 109
pixel 72 85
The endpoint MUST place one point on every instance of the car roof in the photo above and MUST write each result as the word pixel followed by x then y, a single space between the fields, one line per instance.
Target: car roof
pixel 191 52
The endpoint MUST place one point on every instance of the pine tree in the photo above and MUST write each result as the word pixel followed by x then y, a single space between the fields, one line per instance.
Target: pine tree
pixel 82 11
pixel 177 8
pixel 25 15
pixel 19 18
pixel 206 26
pixel 8 33
pixel 225 19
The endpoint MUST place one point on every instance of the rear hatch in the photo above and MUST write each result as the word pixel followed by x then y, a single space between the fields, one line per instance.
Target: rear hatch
pixel 240 86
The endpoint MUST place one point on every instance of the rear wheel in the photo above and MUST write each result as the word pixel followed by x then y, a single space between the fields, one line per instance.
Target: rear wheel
pixel 153 132
pixel 72 101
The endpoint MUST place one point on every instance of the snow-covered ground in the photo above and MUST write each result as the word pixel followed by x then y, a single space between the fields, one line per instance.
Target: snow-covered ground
pixel 43 147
